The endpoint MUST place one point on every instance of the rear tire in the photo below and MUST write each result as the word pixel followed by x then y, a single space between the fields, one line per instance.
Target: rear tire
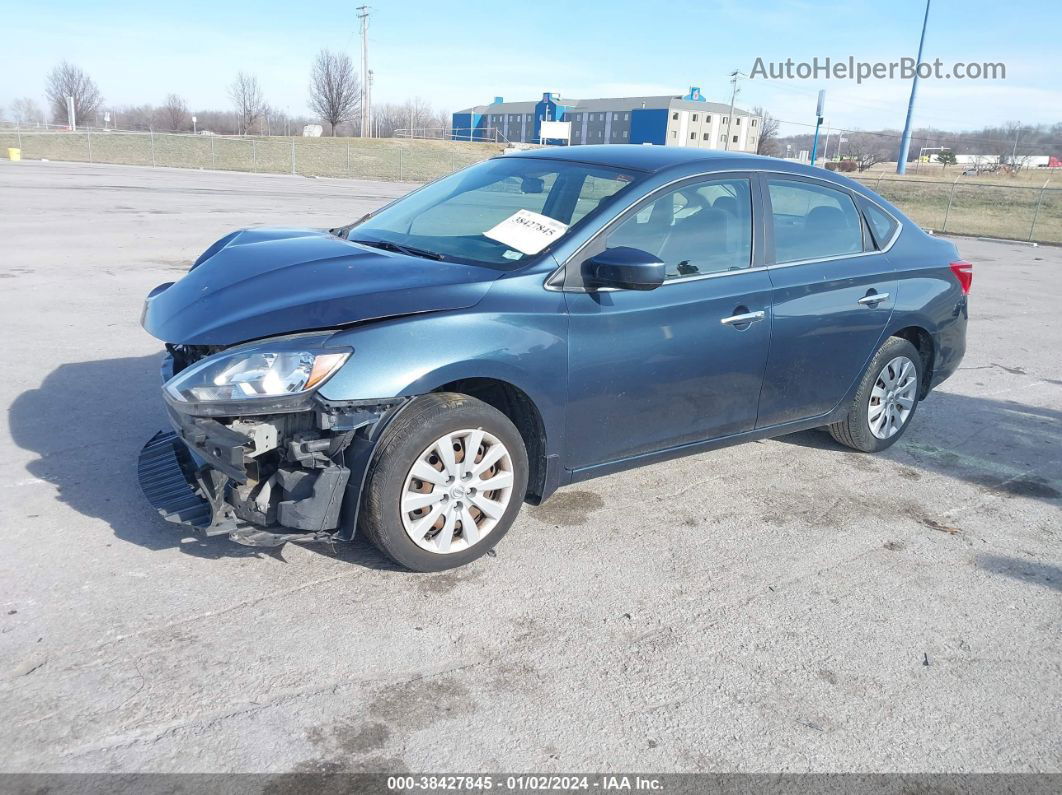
pixel 886 400
pixel 423 505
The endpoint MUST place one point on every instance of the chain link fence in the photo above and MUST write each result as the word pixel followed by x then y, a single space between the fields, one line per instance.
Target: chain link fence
pixel 386 159
pixel 1013 212
pixel 989 210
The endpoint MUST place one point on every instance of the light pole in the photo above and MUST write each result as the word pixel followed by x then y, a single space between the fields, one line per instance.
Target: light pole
pixel 905 141
pixel 819 110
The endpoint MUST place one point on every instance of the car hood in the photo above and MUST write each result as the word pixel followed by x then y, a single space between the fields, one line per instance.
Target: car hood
pixel 262 282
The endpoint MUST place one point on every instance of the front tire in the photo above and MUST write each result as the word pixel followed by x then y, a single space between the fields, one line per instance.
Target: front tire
pixel 886 400
pixel 446 483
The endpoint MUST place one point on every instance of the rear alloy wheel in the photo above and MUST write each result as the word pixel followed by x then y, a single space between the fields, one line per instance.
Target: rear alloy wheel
pixel 446 483
pixel 893 397
pixel 885 401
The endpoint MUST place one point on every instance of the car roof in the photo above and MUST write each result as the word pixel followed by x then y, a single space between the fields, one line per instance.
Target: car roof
pixel 654 159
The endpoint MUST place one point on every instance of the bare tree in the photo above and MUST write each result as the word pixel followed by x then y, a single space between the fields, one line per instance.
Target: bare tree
pixel 246 96
pixel 766 144
pixel 335 91
pixel 67 80
pixel 174 113
pixel 27 111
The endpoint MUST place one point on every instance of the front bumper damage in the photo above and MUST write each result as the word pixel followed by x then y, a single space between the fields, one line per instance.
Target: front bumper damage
pixel 265 480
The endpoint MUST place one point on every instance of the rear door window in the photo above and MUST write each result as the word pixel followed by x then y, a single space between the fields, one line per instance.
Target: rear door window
pixel 812 221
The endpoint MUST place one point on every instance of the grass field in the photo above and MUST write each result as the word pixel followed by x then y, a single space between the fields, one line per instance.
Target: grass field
pixel 990 205
pixel 378 158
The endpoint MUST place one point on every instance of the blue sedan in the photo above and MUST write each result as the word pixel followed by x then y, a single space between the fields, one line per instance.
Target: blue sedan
pixel 529 322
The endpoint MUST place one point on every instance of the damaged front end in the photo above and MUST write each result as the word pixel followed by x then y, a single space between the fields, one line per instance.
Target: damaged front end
pixel 255 453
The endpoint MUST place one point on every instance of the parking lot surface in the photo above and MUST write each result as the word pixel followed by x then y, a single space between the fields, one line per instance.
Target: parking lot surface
pixel 784 605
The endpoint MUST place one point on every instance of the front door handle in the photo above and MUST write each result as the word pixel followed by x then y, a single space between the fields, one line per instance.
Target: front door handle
pixel 873 299
pixel 743 319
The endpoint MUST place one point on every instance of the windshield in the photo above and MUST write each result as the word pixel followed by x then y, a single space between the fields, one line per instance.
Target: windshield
pixel 469 216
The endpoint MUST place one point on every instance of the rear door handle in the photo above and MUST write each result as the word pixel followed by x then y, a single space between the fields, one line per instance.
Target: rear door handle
pixel 873 299
pixel 748 317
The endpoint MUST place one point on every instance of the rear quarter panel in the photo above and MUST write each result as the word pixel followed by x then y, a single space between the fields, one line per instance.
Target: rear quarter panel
pixel 929 296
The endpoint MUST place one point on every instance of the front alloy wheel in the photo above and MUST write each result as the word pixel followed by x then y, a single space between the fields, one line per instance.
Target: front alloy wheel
pixel 445 484
pixel 457 491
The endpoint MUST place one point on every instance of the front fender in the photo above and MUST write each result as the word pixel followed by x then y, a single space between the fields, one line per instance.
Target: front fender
pixel 414 355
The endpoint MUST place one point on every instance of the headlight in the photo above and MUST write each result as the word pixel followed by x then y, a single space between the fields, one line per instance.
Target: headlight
pixel 262 378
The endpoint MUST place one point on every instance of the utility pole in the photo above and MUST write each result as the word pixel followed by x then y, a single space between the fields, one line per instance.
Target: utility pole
pixel 734 77
pixel 71 121
pixel 366 96
pixel 905 141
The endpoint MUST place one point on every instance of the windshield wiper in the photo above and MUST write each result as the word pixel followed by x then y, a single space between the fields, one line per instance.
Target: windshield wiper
pixel 387 245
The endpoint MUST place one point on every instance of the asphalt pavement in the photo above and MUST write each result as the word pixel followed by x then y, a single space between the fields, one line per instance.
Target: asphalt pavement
pixel 786 605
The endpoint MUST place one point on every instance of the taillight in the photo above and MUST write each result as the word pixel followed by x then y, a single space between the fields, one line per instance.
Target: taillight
pixel 963 271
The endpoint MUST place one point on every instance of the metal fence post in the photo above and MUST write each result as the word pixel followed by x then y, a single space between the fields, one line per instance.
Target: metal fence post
pixel 254 157
pixel 349 172
pixel 1036 213
pixel 293 154
pixel 212 151
pixel 951 198
pixel 401 170
pixel 882 174
pixel 18 133
pixel 88 138
pixel 152 132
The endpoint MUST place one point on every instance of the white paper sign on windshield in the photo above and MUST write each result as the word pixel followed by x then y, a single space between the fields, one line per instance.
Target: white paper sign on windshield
pixel 527 231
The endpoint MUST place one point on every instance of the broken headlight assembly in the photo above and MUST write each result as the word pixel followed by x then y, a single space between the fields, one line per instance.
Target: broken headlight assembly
pixel 258 380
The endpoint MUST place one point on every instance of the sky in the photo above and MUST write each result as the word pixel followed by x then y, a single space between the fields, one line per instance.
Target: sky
pixel 465 53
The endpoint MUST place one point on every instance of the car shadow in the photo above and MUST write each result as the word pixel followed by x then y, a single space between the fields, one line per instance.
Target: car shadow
pixel 1000 445
pixel 87 422
pixel 1026 571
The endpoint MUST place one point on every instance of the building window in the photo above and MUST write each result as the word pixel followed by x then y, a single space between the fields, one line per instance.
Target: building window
pixel 726 119
pixel 722 138
pixel 737 122
pixel 753 122
pixel 626 117
pixel 674 117
pixel 735 139
pixel 706 136
pixel 674 134
pixel 626 134
pixel 693 136
pixel 695 117
pixel 708 118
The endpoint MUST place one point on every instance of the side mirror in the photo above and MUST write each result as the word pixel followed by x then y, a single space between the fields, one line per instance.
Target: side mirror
pixel 624 268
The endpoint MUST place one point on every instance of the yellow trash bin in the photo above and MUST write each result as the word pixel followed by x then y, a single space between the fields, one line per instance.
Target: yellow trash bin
pixel 14 154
